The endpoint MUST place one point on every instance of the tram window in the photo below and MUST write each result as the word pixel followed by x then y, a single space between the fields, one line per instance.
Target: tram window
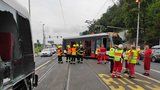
pixel 25 35
pixel 9 46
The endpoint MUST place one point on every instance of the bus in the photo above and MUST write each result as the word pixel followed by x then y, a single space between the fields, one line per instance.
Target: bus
pixel 17 66
pixel 92 42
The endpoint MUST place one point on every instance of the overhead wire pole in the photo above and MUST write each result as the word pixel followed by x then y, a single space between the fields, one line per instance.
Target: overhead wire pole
pixel 44 37
pixel 29 7
pixel 138 23
pixel 60 2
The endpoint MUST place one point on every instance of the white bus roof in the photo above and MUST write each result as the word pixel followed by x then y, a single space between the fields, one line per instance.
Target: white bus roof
pixel 87 36
pixel 14 4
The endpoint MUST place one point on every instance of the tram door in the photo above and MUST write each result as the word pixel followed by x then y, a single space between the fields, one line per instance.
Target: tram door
pixel 87 48
pixel 105 42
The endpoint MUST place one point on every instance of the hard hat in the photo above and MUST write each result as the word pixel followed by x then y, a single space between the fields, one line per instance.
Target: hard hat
pixel 81 45
pixel 74 45
pixel 77 45
pixel 68 46
pixel 59 46
pixel 120 46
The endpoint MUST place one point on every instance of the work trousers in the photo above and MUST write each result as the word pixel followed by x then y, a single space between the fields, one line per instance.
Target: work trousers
pixel 59 58
pixel 117 68
pixel 73 58
pixel 79 57
pixel 131 69
pixel 111 63
pixel 68 57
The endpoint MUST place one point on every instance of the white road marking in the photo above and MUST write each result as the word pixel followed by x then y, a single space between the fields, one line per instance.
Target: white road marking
pixel 68 78
pixel 43 65
pixel 44 75
pixel 155 70
pixel 157 81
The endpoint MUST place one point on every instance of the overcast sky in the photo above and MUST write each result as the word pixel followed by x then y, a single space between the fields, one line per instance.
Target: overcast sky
pixel 75 12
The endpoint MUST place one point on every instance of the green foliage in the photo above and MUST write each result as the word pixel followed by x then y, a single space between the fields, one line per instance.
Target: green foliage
pixel 124 15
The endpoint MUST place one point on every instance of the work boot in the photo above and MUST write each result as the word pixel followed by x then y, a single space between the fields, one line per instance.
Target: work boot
pixel 131 77
pixel 126 72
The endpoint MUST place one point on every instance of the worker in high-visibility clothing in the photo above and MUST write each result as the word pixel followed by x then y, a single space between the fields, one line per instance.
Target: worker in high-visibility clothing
pixel 133 58
pixel 111 58
pixel 80 53
pixel 98 54
pixel 60 52
pixel 69 51
pixel 147 60
pixel 118 59
pixel 126 58
pixel 74 53
pixel 103 56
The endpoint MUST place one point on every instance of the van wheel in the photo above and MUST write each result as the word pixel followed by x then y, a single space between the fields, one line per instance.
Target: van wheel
pixel 153 59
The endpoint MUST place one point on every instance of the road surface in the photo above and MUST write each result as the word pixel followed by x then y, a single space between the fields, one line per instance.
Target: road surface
pixel 91 76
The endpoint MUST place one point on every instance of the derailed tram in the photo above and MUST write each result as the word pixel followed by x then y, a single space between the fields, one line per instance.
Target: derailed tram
pixel 17 66
pixel 92 42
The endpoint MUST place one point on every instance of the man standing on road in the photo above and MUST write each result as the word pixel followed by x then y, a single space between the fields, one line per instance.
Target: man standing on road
pixel 147 60
pixel 59 51
pixel 80 52
pixel 126 57
pixel 103 54
pixel 74 53
pixel 111 58
pixel 133 59
pixel 118 58
pixel 69 51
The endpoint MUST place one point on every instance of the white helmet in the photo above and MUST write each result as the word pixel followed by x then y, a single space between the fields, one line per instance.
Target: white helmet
pixel 120 46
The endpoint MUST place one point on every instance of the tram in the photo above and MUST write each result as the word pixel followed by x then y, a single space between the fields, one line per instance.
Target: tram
pixel 93 41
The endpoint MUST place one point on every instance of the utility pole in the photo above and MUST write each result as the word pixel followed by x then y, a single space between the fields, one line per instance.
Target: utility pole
pixel 137 39
pixel 29 6
pixel 44 37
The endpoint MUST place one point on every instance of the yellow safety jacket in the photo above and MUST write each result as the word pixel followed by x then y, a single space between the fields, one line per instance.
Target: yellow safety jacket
pixel 118 55
pixel 133 57
pixel 111 52
pixel 126 57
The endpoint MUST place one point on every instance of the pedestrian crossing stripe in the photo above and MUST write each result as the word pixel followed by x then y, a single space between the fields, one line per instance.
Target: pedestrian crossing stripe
pixel 123 83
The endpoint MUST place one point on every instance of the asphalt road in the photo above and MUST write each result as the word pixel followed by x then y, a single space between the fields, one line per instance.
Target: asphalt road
pixel 91 76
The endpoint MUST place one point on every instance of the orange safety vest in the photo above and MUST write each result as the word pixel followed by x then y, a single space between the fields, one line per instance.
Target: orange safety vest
pixel 69 50
pixel 74 51
pixel 59 52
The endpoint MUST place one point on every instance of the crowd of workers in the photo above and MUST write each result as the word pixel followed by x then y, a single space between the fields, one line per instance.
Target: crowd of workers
pixel 130 56
pixel 73 54
pixel 117 55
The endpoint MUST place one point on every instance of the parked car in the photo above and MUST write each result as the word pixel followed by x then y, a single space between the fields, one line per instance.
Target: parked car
pixel 156 53
pixel 46 53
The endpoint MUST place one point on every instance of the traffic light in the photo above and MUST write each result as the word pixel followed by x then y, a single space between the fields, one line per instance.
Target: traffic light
pixel 137 1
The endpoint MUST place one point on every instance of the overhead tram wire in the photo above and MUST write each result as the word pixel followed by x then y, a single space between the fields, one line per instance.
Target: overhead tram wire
pixel 100 9
pixel 62 12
